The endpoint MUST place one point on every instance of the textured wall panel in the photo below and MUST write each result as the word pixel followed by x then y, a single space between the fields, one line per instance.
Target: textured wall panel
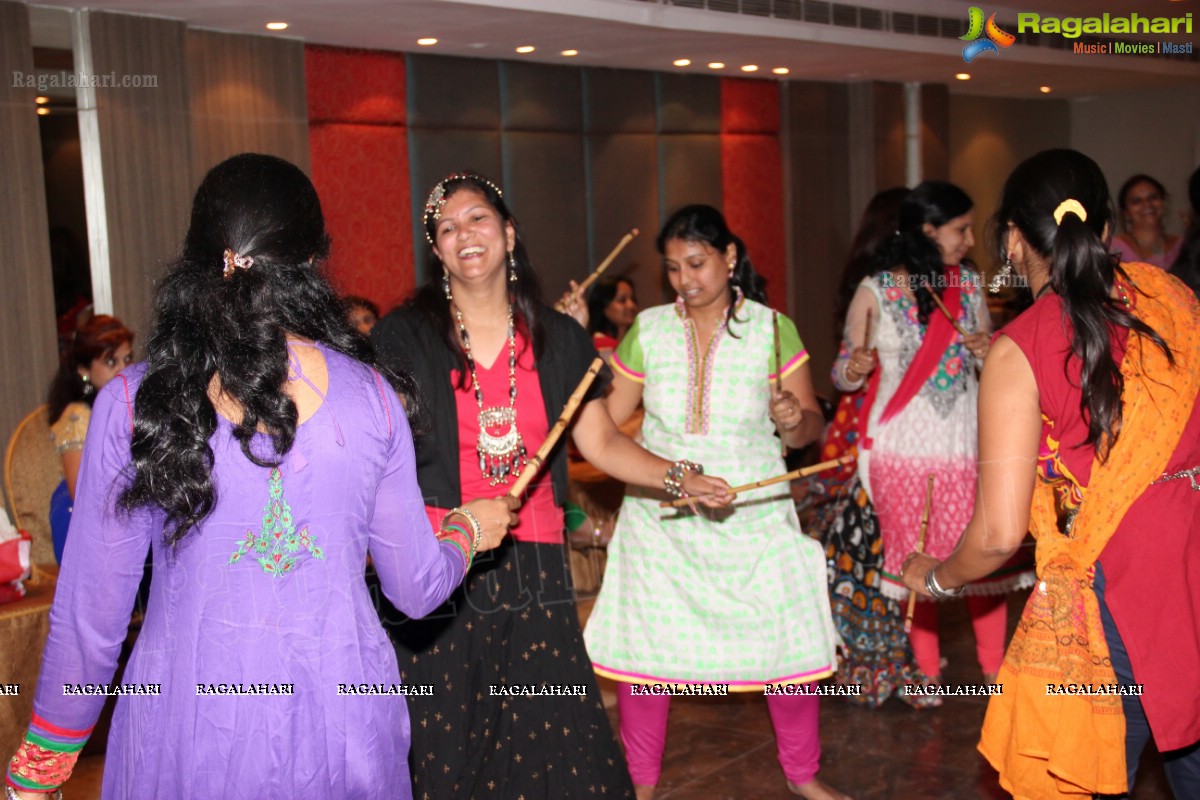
pixel 144 152
pixel 361 173
pixel 752 177
pixel 619 101
pixel 453 93
pixel 688 103
pixel 690 167
pixel 623 194
pixel 818 143
pixel 359 142
pixel 27 321
pixel 535 97
pixel 544 187
pixel 247 95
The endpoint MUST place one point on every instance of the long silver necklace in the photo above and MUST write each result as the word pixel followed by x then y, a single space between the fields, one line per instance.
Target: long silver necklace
pixel 500 448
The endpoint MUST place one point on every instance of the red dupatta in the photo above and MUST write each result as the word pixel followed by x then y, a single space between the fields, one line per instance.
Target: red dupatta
pixel 939 333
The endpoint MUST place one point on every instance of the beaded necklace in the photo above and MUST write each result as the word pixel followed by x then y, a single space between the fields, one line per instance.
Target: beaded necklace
pixel 502 454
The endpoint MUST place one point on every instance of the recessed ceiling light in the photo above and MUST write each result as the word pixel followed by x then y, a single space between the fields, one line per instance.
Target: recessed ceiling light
pixel 750 68
pixel 1044 90
pixel 570 53
pixel 963 76
pixel 781 70
pixel 716 65
pixel 43 111
pixel 277 26
pixel 41 99
pixel 428 41
pixel 682 62
pixel 526 48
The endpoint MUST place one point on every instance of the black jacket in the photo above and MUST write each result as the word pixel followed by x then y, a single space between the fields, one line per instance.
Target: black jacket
pixel 407 341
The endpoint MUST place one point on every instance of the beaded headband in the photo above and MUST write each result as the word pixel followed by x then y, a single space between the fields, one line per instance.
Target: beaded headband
pixel 437 197
pixel 233 262
pixel 1069 206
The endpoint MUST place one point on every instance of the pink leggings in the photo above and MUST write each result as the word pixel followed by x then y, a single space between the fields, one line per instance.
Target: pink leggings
pixel 644 734
pixel 989 618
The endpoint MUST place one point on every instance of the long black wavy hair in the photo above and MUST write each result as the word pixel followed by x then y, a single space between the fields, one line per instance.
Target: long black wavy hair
pixel 706 225
pixel 99 337
pixel 234 326
pixel 525 293
pixel 936 203
pixel 599 296
pixel 1082 272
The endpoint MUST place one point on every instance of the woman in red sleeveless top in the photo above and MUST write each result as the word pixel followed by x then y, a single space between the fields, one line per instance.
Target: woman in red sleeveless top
pixel 1088 406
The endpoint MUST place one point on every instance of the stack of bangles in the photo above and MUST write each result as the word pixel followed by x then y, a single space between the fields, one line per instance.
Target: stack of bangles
pixel 934 588
pixel 673 481
pixel 455 534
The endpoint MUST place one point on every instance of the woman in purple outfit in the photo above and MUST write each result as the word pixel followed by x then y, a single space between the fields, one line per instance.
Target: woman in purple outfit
pixel 261 455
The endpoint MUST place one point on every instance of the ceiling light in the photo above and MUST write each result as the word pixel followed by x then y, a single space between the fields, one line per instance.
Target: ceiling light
pixel 1044 90
pixel 716 65
pixel 41 99
pixel 43 111
pixel 277 26
pixel 750 68
pixel 682 62
pixel 963 76
pixel 781 70
pixel 570 53
pixel 428 41
pixel 526 48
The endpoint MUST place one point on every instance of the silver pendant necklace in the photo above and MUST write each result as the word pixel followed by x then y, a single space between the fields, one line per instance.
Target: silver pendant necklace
pixel 500 448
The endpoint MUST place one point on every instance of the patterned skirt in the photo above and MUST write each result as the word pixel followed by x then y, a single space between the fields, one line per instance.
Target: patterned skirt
pixel 515 710
pixel 875 651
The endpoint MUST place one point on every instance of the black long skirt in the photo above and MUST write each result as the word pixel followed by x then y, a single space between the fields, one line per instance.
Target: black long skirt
pixel 515 710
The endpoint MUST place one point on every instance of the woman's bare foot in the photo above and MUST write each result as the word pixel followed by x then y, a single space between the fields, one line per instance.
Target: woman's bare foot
pixel 815 790
pixel 643 792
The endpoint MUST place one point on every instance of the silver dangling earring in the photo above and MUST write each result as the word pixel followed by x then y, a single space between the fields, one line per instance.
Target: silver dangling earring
pixel 1000 279
pixel 512 267
pixel 446 283
pixel 88 388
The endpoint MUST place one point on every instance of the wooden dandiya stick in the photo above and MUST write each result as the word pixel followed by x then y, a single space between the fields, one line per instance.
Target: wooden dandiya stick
pixel 867 331
pixel 804 472
pixel 778 357
pixel 608 260
pixel 912 596
pixel 957 326
pixel 535 464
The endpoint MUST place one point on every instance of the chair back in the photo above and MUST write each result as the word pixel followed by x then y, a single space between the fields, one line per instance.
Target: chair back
pixel 32 471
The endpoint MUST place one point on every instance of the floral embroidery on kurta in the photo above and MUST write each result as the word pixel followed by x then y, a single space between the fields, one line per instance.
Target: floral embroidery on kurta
pixel 277 544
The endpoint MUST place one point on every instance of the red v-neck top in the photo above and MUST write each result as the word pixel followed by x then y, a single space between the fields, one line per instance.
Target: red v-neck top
pixel 540 520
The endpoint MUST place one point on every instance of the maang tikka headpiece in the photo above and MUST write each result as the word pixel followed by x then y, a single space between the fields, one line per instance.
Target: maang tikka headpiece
pixel 437 197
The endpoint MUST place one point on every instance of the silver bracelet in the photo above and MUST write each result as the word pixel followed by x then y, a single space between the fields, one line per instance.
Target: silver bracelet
pixel 935 588
pixel 9 794
pixel 476 528
pixel 673 481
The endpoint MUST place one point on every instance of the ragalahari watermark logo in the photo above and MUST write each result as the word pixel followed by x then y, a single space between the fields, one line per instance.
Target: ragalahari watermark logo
pixel 1106 24
pixel 995 40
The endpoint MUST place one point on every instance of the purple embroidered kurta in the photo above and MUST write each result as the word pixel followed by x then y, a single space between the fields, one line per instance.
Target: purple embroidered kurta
pixel 268 590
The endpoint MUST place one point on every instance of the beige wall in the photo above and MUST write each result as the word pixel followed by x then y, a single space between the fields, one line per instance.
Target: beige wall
pixel 988 137
pixel 1156 132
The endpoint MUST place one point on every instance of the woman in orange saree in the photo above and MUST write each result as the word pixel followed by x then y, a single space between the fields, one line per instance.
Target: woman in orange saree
pixel 1088 403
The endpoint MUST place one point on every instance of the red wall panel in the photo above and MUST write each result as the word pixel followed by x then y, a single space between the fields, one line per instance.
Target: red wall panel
pixel 359 142
pixel 752 177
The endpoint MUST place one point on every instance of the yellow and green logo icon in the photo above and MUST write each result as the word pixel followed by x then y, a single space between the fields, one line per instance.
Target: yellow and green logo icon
pixel 996 38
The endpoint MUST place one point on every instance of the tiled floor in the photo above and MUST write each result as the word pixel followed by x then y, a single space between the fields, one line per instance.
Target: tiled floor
pixel 723 748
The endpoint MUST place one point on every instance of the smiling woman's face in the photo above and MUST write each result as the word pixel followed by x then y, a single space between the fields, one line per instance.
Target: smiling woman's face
pixel 471 239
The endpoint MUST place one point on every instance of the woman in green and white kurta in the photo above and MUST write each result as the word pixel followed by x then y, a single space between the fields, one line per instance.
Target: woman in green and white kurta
pixel 736 597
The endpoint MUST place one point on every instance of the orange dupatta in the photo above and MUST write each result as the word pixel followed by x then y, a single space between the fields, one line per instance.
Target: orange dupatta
pixel 1069 746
